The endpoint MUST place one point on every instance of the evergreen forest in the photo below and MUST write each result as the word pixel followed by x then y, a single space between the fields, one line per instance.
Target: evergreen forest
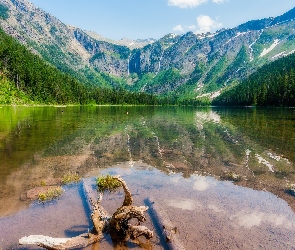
pixel 271 85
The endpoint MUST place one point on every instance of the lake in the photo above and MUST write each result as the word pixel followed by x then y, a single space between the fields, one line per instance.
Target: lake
pixel 221 175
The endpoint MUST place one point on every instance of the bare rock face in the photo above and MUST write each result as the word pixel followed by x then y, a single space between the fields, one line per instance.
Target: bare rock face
pixel 41 32
pixel 105 57
pixel 208 62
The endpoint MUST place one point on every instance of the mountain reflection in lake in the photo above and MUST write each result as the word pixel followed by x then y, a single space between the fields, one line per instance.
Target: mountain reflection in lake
pixel 220 173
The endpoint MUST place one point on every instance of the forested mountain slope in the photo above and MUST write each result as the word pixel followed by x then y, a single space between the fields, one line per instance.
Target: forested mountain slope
pixel 25 78
pixel 271 85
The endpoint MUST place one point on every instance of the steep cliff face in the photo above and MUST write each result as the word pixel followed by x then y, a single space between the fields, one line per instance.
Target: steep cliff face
pixel 189 64
pixel 42 32
pixel 105 57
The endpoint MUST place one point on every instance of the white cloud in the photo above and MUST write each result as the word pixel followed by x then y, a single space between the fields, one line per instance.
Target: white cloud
pixel 186 3
pixel 178 28
pixel 191 3
pixel 204 24
pixel 219 1
pixel 207 24
pixel 182 29
pixel 191 27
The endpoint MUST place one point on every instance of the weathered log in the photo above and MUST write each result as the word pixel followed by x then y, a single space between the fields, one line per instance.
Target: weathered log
pixel 169 231
pixel 128 200
pixel 47 242
pixel 135 232
pixel 118 225
pixel 100 218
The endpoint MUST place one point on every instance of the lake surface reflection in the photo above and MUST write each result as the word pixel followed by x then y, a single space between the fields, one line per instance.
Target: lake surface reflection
pixel 225 168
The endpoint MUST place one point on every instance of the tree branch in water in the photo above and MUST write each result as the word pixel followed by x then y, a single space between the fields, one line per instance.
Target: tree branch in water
pixel 118 225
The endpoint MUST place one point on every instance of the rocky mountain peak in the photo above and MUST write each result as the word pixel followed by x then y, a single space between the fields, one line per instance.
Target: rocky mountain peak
pixel 286 17
pixel 132 44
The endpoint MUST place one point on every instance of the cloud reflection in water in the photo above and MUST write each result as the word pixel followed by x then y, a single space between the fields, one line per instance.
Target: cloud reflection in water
pixel 249 219
pixel 202 183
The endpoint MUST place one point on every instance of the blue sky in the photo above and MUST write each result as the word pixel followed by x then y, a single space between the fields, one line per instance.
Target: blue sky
pixel 115 19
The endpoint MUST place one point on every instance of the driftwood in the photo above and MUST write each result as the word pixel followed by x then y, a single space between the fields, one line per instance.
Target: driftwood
pixel 118 225
pixel 169 232
pixel 47 242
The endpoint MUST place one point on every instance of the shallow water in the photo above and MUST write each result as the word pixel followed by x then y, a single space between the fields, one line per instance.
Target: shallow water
pixel 182 158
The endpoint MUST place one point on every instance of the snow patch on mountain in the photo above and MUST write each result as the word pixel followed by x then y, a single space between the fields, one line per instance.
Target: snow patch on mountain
pixel 282 54
pixel 252 44
pixel 266 51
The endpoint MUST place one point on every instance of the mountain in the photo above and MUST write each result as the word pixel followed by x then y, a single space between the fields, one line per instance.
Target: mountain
pixel 49 38
pixel 25 78
pixel 132 44
pixel 186 65
pixel 271 85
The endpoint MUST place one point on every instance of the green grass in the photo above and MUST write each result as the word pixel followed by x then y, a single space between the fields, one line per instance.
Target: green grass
pixel 50 194
pixel 70 178
pixel 107 183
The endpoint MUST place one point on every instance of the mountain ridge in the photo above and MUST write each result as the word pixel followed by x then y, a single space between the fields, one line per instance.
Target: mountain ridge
pixel 132 44
pixel 189 65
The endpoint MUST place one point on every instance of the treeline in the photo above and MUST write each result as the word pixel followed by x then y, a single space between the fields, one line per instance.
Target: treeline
pixel 122 96
pixel 271 85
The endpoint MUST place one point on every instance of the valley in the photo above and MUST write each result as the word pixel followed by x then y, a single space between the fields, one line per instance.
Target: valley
pixel 180 66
